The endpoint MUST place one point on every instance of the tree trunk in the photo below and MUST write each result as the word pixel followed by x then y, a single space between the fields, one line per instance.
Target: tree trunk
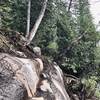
pixel 70 5
pixel 28 18
pixel 37 23
pixel 11 89
pixel 28 75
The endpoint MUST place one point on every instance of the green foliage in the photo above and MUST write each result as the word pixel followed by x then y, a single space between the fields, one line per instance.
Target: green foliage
pixel 14 14
pixel 56 34
pixel 57 31
pixel 91 86
pixel 53 45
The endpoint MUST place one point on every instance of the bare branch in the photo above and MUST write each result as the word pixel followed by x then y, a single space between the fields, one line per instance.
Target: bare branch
pixel 37 23
pixel 28 18
pixel 70 5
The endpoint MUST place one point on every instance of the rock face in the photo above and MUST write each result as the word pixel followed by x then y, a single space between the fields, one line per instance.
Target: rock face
pixel 30 79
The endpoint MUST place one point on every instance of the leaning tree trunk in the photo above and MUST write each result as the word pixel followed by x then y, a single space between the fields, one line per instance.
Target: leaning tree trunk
pixel 31 35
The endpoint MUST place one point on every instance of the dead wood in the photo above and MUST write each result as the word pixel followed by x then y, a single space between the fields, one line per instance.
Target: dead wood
pixel 31 76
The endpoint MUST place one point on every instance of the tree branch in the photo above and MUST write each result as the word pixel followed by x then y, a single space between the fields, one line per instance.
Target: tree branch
pixel 37 23
pixel 28 18
pixel 70 5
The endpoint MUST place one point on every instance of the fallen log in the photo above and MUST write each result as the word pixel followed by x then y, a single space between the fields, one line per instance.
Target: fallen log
pixel 27 71
pixel 24 77
pixel 24 70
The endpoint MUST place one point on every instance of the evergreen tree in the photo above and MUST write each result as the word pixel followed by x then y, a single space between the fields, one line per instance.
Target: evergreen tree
pixel 57 31
pixel 86 47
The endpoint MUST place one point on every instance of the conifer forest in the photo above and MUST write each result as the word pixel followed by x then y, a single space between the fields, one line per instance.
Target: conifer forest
pixel 49 50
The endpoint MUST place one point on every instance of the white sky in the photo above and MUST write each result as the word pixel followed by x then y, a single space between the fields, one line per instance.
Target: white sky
pixel 95 10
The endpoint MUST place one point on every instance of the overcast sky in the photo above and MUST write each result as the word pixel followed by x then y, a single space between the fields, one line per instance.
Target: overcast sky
pixel 95 10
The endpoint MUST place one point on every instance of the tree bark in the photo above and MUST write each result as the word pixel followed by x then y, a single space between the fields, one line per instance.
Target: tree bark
pixel 0 21
pixel 70 5
pixel 11 89
pixel 22 78
pixel 28 18
pixel 37 23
